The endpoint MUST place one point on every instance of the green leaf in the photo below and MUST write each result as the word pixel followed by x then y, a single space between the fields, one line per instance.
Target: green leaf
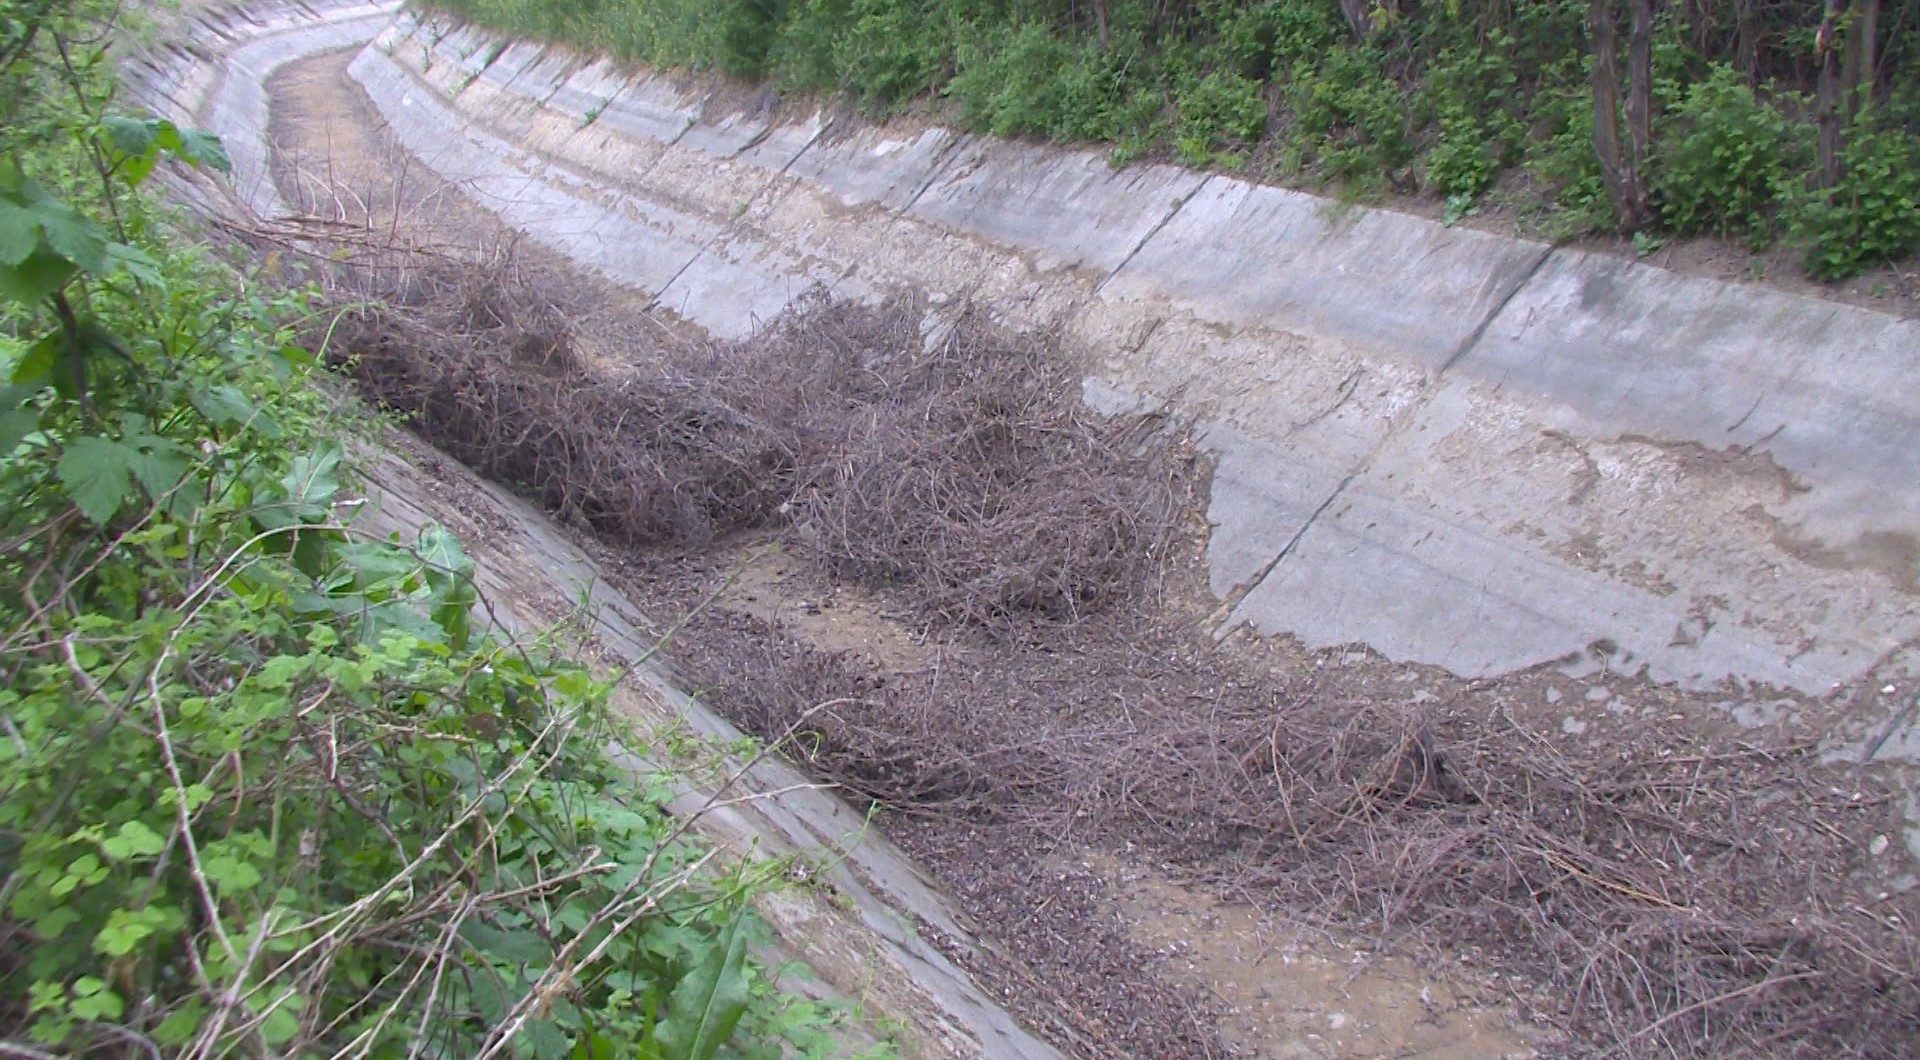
pixel 19 232
pixel 130 136
pixel 136 263
pixel 523 947
pixel 42 273
pixel 283 1022
pixel 134 840
pixel 159 464
pixel 707 1004
pixel 33 369
pixel 313 480
pixel 76 238
pixel 204 149
pixel 93 1001
pixel 14 428
pixel 125 929
pixel 225 406
pixel 96 473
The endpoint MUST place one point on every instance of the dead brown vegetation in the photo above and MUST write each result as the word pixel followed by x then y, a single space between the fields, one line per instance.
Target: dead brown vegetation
pixel 942 456
pixel 1705 901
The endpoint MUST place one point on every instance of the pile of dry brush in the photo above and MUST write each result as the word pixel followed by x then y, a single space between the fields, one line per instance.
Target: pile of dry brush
pixel 1706 903
pixel 944 456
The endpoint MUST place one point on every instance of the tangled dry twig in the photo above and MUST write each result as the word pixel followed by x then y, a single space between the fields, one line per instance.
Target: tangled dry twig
pixel 1706 903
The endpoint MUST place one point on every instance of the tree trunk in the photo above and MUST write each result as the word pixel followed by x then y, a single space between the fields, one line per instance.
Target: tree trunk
pixel 1857 69
pixel 1747 58
pixel 1830 93
pixel 1359 16
pixel 1100 22
pixel 1621 160
pixel 1640 93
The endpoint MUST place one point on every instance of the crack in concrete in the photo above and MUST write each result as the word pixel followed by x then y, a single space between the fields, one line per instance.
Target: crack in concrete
pixel 941 162
pixel 1178 205
pixel 1222 620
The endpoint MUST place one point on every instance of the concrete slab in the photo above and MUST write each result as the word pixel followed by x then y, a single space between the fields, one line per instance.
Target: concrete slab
pixel 575 215
pixel 739 284
pixel 1615 348
pixel 1071 208
pixel 1241 254
pixel 1559 542
pixel 649 109
pixel 873 167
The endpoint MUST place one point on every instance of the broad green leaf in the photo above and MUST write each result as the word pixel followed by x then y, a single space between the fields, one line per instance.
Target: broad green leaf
pixel 76 238
pixel 93 1001
pixel 283 1022
pixel 126 929
pixel 522 947
pixel 226 406
pixel 96 473
pixel 15 426
pixel 313 480
pixel 707 1004
pixel 19 232
pixel 34 368
pixel 204 149
pixel 136 263
pixel 42 273
pixel 129 136
pixel 134 840
pixel 159 468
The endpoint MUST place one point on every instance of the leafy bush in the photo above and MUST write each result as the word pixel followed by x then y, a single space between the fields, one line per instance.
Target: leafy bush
pixel 1470 95
pixel 1029 82
pixel 1873 215
pixel 1220 111
pixel 1724 161
pixel 265 789
pixel 1349 116
pixel 1463 162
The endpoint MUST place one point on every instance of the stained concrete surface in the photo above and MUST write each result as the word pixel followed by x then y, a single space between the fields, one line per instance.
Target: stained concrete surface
pixel 1453 447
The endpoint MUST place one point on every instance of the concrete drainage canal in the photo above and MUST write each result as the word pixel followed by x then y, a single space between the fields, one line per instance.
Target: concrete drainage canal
pixel 1258 668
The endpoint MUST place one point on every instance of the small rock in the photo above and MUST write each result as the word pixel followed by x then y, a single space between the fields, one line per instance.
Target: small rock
pixel 1573 726
pixel 1879 845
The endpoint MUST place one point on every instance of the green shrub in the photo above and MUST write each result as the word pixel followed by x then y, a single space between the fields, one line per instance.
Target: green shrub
pixel 887 52
pixel 1464 161
pixel 1723 160
pixel 1873 215
pixel 267 787
pixel 1470 94
pixel 1030 82
pixel 1220 112
pixel 1349 117
pixel 1255 40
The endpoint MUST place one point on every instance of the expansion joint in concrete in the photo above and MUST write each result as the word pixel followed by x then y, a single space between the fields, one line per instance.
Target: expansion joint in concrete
pixel 1222 615
pixel 1479 331
pixel 1178 204
pixel 937 170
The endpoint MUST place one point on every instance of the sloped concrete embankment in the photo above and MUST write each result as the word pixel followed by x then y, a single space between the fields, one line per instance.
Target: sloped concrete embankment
pixel 858 927
pixel 1456 448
